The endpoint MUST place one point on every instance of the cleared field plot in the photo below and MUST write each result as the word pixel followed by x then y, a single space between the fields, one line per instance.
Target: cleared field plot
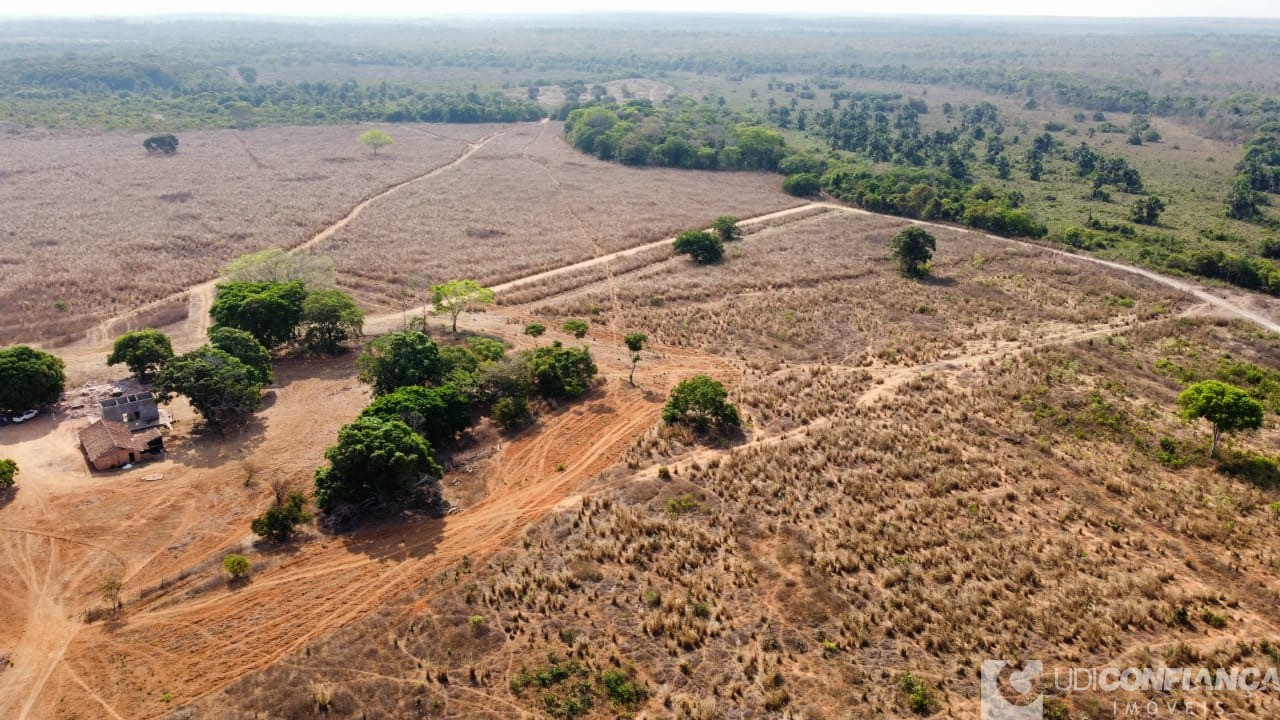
pixel 1048 503
pixel 524 203
pixel 93 226
pixel 825 288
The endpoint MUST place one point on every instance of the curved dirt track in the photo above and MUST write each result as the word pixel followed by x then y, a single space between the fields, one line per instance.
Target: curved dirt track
pixel 199 298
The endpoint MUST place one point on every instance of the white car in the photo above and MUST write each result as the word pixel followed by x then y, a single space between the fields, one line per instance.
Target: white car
pixel 25 416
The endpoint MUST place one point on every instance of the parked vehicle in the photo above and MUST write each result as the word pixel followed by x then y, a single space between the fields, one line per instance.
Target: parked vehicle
pixel 25 416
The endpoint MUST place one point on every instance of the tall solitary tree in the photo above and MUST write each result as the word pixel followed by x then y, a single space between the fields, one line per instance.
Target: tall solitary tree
pixel 144 352
pixel 375 140
pixel 635 343
pixel 163 144
pixel 1146 211
pixel 575 327
pixel 1227 407
pixel 456 296
pixel 701 402
pixel 913 248
pixel 726 226
pixel 704 247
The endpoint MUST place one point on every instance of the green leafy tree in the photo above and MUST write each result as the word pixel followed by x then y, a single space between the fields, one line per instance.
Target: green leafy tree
pixel 222 389
pixel 437 413
pixel 144 352
pixel 535 330
pixel 576 328
pixel 456 296
pixel 802 184
pixel 245 348
pixel 29 378
pixel 913 248
pixel 1227 407
pixel 8 471
pixel 726 226
pixel 398 360
pixel 702 402
pixel 560 372
pixel 486 349
pixel 1243 202
pixel 375 459
pixel 375 140
pixel 1146 211
pixel 279 265
pixel 759 148
pixel 511 412
pixel 270 311
pixel 330 318
pixel 281 521
pixel 237 566
pixel 635 343
pixel 163 144
pixel 704 247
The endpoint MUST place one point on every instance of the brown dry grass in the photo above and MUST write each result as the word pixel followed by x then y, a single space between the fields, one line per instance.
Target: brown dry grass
pixel 884 514
pixel 93 222
pixel 824 288
pixel 949 524
pixel 524 203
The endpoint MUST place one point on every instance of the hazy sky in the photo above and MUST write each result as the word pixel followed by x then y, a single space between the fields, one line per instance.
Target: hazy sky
pixel 430 8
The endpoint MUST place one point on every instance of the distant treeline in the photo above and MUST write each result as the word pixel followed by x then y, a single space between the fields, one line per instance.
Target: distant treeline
pixel 683 134
pixel 130 94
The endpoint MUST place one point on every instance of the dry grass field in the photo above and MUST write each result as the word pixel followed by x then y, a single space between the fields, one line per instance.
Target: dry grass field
pixel 94 226
pixel 524 203
pixel 985 463
pixel 823 288
pixel 1002 475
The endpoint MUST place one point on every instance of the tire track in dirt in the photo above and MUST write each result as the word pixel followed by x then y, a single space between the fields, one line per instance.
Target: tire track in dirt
pixel 324 588
pixel 48 575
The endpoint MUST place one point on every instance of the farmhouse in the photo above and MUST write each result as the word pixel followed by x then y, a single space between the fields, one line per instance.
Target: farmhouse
pixel 138 411
pixel 110 443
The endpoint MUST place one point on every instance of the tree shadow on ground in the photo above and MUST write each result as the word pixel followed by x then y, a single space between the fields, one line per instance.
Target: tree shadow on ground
pixel 7 495
pixel 205 447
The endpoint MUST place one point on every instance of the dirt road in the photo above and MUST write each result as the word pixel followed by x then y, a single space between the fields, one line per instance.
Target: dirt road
pixel 84 358
pixel 67 530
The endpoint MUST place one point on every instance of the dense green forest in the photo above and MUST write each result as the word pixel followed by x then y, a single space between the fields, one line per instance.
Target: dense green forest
pixel 1156 142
